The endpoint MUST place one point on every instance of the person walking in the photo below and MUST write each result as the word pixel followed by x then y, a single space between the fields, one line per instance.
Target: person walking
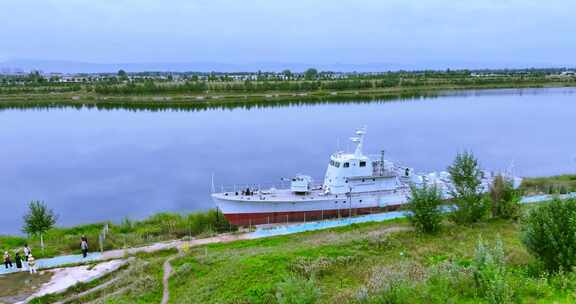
pixel 7 260
pixel 18 260
pixel 27 252
pixel 32 264
pixel 84 246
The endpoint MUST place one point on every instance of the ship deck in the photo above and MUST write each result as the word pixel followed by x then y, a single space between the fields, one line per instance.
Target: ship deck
pixel 286 195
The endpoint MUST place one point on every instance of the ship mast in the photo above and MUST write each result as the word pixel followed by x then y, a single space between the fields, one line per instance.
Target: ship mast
pixel 382 163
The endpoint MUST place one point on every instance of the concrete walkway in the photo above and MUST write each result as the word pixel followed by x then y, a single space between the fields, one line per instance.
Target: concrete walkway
pixel 66 277
pixel 58 261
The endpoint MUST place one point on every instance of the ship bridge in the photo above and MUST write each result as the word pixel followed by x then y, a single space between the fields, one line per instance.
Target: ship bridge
pixel 356 172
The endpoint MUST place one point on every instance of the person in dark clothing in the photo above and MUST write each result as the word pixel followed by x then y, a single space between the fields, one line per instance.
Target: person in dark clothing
pixel 7 260
pixel 84 247
pixel 18 260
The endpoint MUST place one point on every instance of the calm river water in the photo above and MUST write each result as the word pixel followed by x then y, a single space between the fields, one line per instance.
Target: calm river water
pixel 92 165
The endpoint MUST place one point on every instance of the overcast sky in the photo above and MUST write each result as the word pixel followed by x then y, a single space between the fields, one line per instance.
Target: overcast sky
pixel 496 32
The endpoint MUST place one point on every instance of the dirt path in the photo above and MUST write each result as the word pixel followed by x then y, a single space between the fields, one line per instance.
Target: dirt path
pixel 64 278
pixel 224 238
pixel 166 277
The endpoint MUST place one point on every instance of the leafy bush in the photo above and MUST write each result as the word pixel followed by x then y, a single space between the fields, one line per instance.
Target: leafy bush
pixel 505 200
pixel 490 274
pixel 297 290
pixel 470 205
pixel 10 242
pixel 424 206
pixel 549 233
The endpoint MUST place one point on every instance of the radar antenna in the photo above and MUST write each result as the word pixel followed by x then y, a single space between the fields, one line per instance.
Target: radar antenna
pixel 359 141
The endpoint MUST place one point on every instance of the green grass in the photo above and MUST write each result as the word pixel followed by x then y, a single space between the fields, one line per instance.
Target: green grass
pixel 342 262
pixel 362 263
pixel 549 185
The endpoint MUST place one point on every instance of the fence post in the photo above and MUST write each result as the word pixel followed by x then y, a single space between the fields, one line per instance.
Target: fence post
pixel 101 242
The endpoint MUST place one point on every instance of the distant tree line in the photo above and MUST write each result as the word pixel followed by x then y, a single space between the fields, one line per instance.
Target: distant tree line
pixel 123 83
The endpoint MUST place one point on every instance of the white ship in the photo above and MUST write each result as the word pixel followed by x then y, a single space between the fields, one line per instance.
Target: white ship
pixel 354 184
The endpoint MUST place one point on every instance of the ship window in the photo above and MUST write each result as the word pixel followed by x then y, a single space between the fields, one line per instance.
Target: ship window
pixel 346 165
pixel 337 164
pixel 362 164
pixel 360 200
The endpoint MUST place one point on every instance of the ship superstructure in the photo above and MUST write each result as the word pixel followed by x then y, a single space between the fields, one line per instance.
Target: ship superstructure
pixel 354 183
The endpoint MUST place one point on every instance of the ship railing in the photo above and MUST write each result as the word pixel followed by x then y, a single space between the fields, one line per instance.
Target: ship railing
pixel 255 187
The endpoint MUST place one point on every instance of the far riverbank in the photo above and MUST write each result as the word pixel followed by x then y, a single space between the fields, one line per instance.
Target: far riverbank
pixel 208 100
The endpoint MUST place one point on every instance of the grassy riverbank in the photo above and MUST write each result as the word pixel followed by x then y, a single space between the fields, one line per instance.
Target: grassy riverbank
pixel 322 91
pixel 366 263
pixel 170 226
pixel 159 227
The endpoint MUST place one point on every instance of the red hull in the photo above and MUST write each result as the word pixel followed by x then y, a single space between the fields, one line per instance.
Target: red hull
pixel 247 219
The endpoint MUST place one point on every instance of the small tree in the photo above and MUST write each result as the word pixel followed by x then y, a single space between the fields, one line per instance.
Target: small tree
pixel 490 274
pixel 38 220
pixel 287 73
pixel 122 75
pixel 467 195
pixel 549 234
pixel 424 206
pixel 311 74
pixel 504 199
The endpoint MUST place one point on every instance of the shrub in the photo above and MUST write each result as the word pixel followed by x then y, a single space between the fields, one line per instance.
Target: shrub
pixel 504 199
pixel 490 275
pixel 297 290
pixel 424 206
pixel 549 234
pixel 126 226
pixel 470 205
